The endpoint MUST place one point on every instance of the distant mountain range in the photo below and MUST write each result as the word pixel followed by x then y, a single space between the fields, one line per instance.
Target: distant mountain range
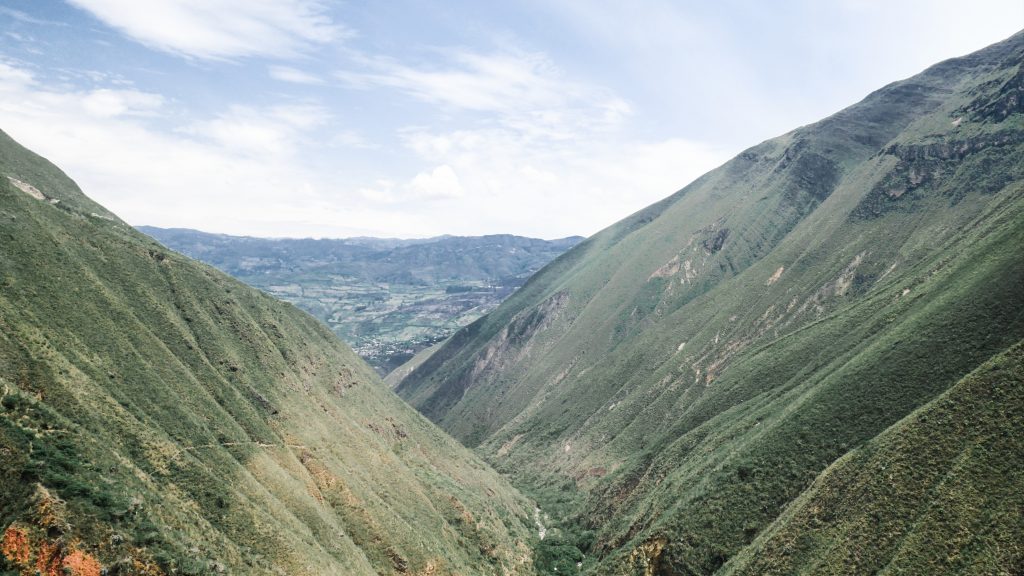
pixel 388 298
pixel 806 362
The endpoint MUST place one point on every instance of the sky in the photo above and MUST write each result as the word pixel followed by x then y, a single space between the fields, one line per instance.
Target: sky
pixel 416 118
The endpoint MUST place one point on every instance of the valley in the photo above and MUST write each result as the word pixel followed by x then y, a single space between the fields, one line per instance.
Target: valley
pixel 386 298
pixel 809 360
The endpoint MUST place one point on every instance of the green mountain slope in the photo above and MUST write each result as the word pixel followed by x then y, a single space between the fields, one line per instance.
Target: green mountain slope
pixel 387 298
pixel 670 385
pixel 938 493
pixel 157 416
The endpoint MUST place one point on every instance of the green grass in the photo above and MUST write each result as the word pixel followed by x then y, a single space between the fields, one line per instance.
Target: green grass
pixel 937 493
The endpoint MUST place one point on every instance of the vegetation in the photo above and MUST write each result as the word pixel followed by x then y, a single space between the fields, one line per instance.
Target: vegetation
pixel 676 384
pixel 389 299
pixel 953 468
pixel 159 417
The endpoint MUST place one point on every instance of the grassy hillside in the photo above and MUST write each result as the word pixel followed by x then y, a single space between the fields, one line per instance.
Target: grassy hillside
pixel 938 493
pixel 387 298
pixel 157 416
pixel 668 387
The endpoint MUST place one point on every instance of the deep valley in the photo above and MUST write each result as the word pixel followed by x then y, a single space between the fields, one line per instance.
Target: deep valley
pixel 810 360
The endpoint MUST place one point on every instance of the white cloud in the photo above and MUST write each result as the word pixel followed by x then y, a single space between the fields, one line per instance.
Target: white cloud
pixel 523 90
pixel 103 103
pixel 293 75
pixel 423 192
pixel 271 171
pixel 106 103
pixel 441 182
pixel 549 188
pixel 491 83
pixel 149 175
pixel 26 18
pixel 382 192
pixel 350 139
pixel 539 153
pixel 213 29
pixel 276 130
pixel 13 78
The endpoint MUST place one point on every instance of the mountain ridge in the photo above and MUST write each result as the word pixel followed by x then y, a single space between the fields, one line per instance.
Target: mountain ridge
pixel 670 384
pixel 380 241
pixel 158 417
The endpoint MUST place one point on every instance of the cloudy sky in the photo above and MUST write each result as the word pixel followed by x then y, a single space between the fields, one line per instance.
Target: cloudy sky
pixel 413 118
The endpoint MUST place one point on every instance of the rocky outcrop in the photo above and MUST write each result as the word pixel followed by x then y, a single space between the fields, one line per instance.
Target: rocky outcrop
pixel 515 340
pixel 953 149
pixel 999 105
pixel 948 168
pixel 811 173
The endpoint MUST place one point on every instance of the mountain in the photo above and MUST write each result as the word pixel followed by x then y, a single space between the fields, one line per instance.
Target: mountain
pixel 160 417
pixel 767 372
pixel 388 298
pixel 955 467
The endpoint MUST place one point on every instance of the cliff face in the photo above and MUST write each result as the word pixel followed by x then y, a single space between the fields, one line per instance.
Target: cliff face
pixel 716 352
pixel 159 417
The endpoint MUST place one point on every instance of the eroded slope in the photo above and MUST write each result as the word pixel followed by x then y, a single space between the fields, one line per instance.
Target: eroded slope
pixel 159 417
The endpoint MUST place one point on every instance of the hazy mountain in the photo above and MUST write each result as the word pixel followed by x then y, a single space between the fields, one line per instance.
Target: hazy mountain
pixel 767 372
pixel 386 297
pixel 157 416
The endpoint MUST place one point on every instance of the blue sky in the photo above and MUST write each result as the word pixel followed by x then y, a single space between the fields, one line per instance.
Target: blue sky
pixel 414 118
